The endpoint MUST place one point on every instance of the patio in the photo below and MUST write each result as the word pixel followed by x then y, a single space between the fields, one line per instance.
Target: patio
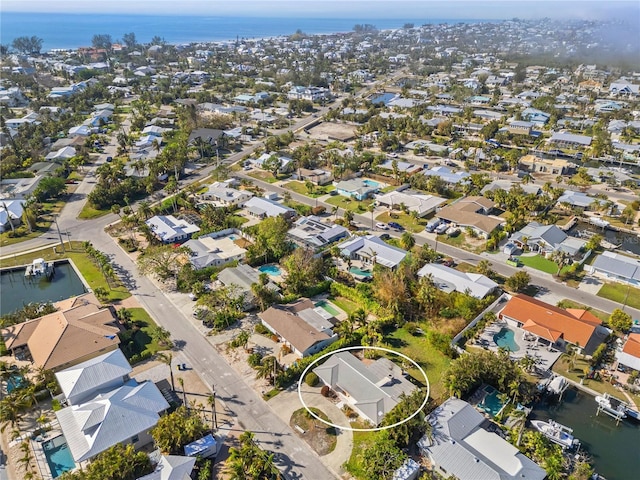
pixel 528 345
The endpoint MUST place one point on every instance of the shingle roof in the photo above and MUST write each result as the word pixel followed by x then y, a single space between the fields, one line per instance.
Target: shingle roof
pixel 294 329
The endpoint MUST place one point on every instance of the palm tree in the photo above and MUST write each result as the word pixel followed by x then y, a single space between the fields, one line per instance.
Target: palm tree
pixel 267 368
pixel 211 400
pixel 370 209
pixel 407 240
pixel 184 393
pixel 167 358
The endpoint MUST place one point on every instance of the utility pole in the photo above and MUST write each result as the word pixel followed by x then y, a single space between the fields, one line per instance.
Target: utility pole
pixel 69 240
pixel 215 413
pixel 55 220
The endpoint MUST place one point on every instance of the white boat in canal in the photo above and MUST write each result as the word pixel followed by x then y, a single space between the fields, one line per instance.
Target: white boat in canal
pixel 556 432
pixel 38 268
pixel 611 405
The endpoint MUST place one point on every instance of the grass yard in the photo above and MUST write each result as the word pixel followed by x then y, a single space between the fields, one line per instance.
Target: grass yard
pixel 422 352
pixel 42 225
pixel 539 263
pixel 357 206
pixel 361 441
pixel 267 176
pixel 92 274
pixel 344 304
pixel 88 212
pixel 459 241
pixel 623 294
pixel 300 187
pixel 143 341
pixel 321 437
pixel 413 225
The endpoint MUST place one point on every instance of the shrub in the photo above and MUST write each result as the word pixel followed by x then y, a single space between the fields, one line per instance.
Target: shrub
pixel 312 379
pixel 55 405
pixel 412 328
pixel 254 360
pixel 261 329
pixel 325 391
pixel 275 338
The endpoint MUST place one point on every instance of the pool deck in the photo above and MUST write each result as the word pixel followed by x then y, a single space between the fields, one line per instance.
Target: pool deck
pixel 38 450
pixel 528 346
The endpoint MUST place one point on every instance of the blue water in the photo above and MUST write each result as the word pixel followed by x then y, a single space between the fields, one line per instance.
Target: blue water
pixel 371 183
pixel 272 270
pixel 59 30
pixel 58 456
pixel 491 403
pixel 232 237
pixel 360 272
pixel 505 339
pixel 14 382
pixel 383 98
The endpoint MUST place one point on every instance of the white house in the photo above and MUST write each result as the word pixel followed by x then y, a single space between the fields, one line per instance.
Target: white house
pixel 415 202
pixel 263 207
pixel 370 249
pixel 64 153
pixel 10 212
pixel 168 229
pixel 222 194
pixel 216 249
pixel 449 280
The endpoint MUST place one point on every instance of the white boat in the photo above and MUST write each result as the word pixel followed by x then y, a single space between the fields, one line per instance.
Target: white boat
pixel 39 267
pixel 611 405
pixel 557 385
pixel 556 432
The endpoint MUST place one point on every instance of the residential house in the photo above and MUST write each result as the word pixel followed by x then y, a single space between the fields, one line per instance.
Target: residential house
pixel 172 467
pixel 450 280
pixel 570 140
pixel 217 249
pixel 372 389
pixel 168 229
pixel 357 188
pixel 519 127
pixel 471 212
pixel 79 330
pixel 546 239
pixel 242 277
pixel 623 87
pixel 104 372
pixel 556 166
pixel 10 213
pixel 527 188
pixel 312 94
pixel 419 203
pixel 554 326
pixel 315 176
pixel 409 470
pixel 616 267
pixel 80 130
pixel 249 98
pixel 223 195
pixel 313 233
pixel 629 356
pixel 65 153
pixel 286 163
pixel 125 414
pixel 535 116
pixel 446 174
pixel 302 326
pixel 578 200
pixel 212 136
pixel 263 207
pixel 372 250
pixel 462 446
pixel 403 167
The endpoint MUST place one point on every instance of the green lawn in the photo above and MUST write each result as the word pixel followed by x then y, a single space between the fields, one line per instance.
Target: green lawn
pixel 267 176
pixel 344 304
pixel 414 225
pixel 357 206
pixel 92 274
pixel 420 350
pixel 88 212
pixel 539 263
pixel 142 339
pixel 300 187
pixel 42 226
pixel 361 441
pixel 623 294
pixel 459 240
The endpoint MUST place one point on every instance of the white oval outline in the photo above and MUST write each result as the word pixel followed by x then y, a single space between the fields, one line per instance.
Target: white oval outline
pixel 376 429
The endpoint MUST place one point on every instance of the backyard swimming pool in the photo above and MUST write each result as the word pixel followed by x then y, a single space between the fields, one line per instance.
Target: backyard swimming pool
pixel 271 270
pixel 15 381
pixel 383 98
pixel 58 456
pixel 328 307
pixel 359 272
pixel 491 404
pixel 371 183
pixel 505 339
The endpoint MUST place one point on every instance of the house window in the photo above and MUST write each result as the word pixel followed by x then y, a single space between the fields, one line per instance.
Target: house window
pixel 135 439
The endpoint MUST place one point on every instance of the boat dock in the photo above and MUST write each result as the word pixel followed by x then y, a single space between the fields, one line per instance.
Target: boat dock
pixel 40 268
pixel 615 408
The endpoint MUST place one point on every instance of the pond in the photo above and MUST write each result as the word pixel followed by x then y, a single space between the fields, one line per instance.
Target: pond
pixel 16 290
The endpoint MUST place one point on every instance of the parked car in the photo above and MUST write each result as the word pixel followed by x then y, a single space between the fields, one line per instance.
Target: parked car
pixel 396 226
pixel 431 226
pixel 382 226
pixel 440 229
pixel 109 159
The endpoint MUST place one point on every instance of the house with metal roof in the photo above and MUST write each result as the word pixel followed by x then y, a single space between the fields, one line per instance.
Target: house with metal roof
pixel 104 372
pixel 370 249
pixel 172 467
pixel 168 229
pixel 461 446
pixel 450 280
pixel 123 415
pixel 564 139
pixel 242 277
pixel 371 389
pixel 263 207
pixel 10 213
pixel 312 232
pixel 546 239
pixel 446 174
pixel 301 325
pixel 79 330
pixel 578 200
pixel 616 267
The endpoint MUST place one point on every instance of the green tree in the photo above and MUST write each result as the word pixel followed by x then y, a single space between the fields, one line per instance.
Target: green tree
pixel 620 321
pixel 27 45
pixel 250 462
pixel 177 429
pixel 120 462
pixel 304 270
pixel 271 241
pixel 163 261
pixel 49 187
pixel 518 282
pixel 382 458
pixel 407 241
pixel 272 164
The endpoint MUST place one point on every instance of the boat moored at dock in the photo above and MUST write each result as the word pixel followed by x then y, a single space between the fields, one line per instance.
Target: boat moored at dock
pixel 557 433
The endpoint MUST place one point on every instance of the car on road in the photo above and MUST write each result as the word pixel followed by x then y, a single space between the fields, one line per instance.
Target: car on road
pixel 396 226
pixel 382 226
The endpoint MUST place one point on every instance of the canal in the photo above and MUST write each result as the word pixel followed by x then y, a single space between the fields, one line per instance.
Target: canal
pixel 628 242
pixel 614 449
pixel 16 290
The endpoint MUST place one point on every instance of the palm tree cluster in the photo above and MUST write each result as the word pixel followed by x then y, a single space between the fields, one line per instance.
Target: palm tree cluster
pixel 250 462
pixel 103 263
pixel 177 429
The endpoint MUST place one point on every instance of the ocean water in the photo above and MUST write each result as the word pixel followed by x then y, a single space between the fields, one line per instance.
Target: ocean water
pixel 75 30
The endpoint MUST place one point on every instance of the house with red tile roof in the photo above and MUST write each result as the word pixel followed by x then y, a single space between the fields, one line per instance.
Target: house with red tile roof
pixel 629 356
pixel 553 325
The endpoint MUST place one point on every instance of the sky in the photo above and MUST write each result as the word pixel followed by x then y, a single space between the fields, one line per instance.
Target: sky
pixel 451 9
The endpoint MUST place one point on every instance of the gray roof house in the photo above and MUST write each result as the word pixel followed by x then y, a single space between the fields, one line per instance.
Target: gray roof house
pixel 374 250
pixel 10 213
pixel 616 267
pixel 312 232
pixel 570 139
pixel 243 276
pixel 546 239
pixel 123 415
pixel 446 174
pixel 578 199
pixel 217 248
pixel 168 229
pixel 263 207
pixel 449 280
pixel 461 447
pixel 414 201
pixel 104 372
pixel 357 188
pixel 172 467
pixel 371 389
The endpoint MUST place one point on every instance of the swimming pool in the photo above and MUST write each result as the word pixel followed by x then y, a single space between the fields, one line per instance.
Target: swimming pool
pixel 359 272
pixel 383 98
pixel 58 456
pixel 271 270
pixel 233 236
pixel 371 183
pixel 14 382
pixel 505 339
pixel 328 307
pixel 491 404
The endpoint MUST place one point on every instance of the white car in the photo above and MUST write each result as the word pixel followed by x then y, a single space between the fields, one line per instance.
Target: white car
pixel 382 226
